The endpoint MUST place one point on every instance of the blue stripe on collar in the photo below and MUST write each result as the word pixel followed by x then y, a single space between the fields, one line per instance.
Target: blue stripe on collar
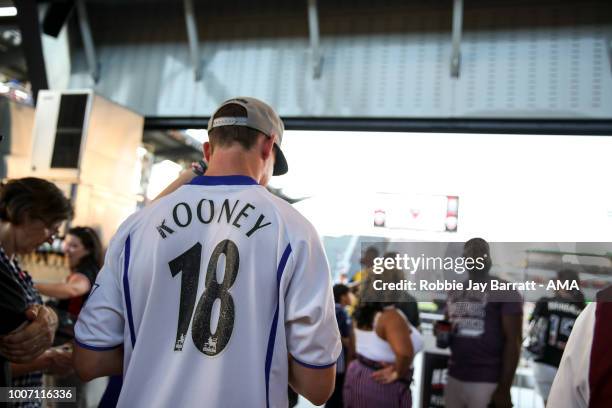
pixel 237 180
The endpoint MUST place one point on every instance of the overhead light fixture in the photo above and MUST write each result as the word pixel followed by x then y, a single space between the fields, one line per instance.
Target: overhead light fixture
pixel 8 11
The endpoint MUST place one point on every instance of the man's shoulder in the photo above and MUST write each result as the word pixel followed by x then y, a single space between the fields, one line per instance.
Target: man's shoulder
pixel 293 220
pixel 127 227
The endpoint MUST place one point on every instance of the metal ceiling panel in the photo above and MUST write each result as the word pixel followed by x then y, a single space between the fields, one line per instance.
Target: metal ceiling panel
pixel 517 62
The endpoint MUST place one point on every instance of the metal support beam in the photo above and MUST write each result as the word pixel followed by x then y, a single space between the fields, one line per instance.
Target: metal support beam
pixel 192 35
pixel 313 29
pixel 29 26
pixel 610 52
pixel 574 127
pixel 457 28
pixel 88 44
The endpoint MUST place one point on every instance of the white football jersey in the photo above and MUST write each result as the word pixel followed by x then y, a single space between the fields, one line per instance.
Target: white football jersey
pixel 209 290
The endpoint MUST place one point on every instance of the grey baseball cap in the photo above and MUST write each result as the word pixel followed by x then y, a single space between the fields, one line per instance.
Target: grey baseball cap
pixel 260 116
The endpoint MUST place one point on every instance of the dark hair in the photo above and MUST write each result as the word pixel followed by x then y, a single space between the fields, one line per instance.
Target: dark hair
pixel 90 240
pixel 34 198
pixel 371 250
pixel 339 291
pixel 365 312
pixel 567 274
pixel 225 136
pixel 372 301
pixel 478 247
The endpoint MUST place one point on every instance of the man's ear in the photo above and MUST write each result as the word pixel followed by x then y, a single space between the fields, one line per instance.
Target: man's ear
pixel 207 151
pixel 267 145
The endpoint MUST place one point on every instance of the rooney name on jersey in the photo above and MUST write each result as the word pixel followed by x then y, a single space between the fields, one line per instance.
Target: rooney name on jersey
pixel 207 211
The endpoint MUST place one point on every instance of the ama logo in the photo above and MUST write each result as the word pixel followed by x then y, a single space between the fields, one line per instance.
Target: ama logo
pixel 562 285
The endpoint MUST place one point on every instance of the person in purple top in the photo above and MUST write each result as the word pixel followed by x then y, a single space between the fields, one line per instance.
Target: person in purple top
pixel 486 339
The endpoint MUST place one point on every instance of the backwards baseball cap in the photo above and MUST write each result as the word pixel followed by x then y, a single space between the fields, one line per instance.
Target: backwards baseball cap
pixel 259 116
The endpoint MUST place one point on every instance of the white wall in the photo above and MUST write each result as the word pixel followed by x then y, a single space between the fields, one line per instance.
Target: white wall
pixel 510 187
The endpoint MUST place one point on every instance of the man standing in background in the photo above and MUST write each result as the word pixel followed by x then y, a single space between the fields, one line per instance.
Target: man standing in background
pixel 552 321
pixel 485 342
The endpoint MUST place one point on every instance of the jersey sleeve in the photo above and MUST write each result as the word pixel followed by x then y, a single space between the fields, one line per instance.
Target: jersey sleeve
pixel 101 323
pixel 571 385
pixel 512 304
pixel 312 333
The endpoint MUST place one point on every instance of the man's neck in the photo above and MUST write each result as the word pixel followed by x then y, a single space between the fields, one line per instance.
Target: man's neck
pixel 229 162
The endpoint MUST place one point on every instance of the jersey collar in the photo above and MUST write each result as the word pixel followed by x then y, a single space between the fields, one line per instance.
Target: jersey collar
pixel 236 180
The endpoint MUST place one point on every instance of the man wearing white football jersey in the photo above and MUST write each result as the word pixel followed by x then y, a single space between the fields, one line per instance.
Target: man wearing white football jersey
pixel 219 293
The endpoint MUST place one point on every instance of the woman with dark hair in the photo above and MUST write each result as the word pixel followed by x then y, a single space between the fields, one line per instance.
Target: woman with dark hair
pixel 84 252
pixel 31 213
pixel 386 343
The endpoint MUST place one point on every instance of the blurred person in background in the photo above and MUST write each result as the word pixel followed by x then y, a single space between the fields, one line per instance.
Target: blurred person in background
pixel 403 300
pixel 31 213
pixel 367 261
pixel 355 283
pixel 550 327
pixel 342 299
pixel 83 250
pixel 386 344
pixel 485 339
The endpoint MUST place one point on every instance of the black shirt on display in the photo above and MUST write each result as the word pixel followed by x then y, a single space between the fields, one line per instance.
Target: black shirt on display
pixel 552 322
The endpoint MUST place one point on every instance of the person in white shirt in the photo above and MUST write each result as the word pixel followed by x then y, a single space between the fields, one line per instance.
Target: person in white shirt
pixel 584 378
pixel 219 293
pixel 386 344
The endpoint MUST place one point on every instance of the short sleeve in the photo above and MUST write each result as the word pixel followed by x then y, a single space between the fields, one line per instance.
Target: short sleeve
pixel 512 304
pixel 312 333
pixel 101 323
